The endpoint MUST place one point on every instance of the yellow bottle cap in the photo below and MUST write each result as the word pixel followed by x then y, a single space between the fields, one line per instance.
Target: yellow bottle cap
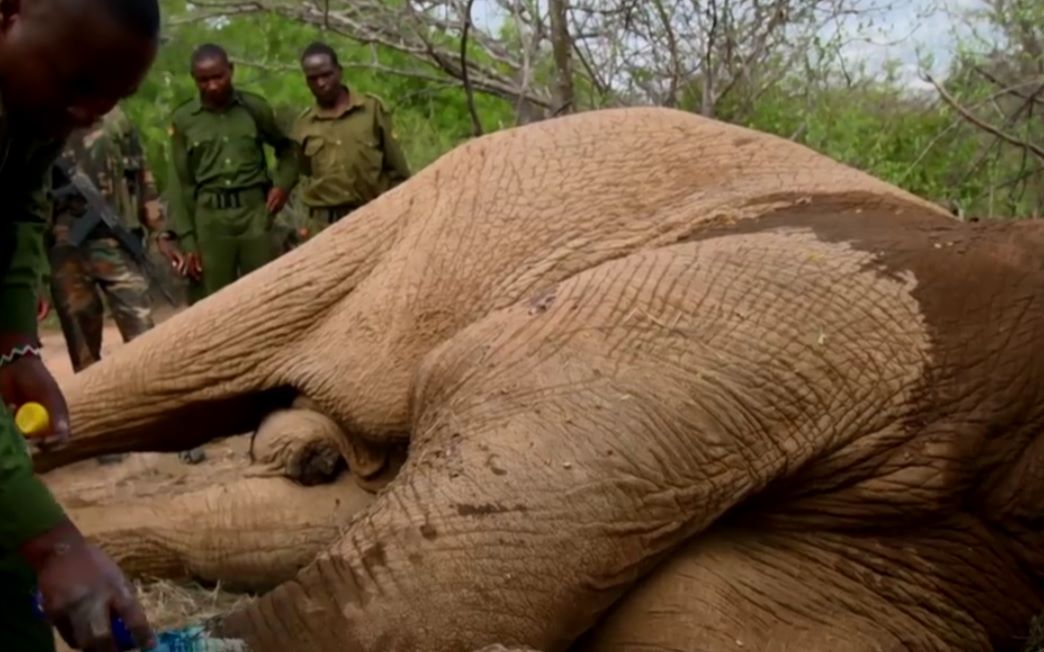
pixel 32 419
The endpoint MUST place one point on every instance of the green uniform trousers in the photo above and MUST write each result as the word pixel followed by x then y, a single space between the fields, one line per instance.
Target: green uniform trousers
pixel 194 292
pixel 20 629
pixel 234 236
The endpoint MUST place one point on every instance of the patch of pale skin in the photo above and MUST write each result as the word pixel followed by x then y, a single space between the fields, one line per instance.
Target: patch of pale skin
pixel 346 318
pixel 538 489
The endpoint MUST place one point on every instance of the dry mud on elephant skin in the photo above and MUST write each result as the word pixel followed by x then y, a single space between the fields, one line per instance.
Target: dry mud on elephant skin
pixel 587 380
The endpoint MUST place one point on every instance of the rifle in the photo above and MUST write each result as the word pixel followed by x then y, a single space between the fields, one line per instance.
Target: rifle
pixel 99 210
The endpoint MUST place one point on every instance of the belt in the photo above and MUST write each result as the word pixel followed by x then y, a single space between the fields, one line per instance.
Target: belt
pixel 226 198
pixel 331 214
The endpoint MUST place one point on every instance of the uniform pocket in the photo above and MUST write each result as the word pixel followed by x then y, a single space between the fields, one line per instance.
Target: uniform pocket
pixel 312 149
pixel 203 151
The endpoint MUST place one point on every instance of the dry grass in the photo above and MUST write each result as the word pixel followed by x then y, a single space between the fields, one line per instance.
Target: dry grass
pixel 170 605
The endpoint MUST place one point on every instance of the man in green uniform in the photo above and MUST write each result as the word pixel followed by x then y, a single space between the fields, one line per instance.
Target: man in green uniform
pixel 63 64
pixel 111 156
pixel 350 152
pixel 228 201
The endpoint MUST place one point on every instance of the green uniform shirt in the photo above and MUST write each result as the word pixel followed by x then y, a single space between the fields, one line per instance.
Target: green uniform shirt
pixel 350 156
pixel 27 508
pixel 222 149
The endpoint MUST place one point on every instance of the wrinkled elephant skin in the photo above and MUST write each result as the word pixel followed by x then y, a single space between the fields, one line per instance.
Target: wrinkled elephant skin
pixel 678 374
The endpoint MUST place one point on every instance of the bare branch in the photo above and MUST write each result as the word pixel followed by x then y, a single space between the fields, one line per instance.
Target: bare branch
pixel 1012 89
pixel 562 50
pixel 476 123
pixel 970 117
pixel 403 29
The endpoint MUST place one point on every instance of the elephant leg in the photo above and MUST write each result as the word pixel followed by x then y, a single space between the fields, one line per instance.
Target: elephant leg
pixel 808 591
pixel 303 444
pixel 215 526
pixel 564 446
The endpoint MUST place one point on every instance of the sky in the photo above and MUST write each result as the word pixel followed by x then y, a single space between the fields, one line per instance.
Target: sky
pixel 899 32
pixel 931 26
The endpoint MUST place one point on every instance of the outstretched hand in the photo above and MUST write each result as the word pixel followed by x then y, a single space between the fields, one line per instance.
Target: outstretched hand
pixel 82 588
pixel 28 380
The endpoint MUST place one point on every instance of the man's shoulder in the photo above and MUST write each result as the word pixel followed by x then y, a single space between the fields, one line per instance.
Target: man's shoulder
pixel 304 115
pixel 184 111
pixel 302 119
pixel 254 100
pixel 375 101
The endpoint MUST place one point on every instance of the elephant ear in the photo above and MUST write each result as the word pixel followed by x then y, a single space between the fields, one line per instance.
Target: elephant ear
pixel 502 648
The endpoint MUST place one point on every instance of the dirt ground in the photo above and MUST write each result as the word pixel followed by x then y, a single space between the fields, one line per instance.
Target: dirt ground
pixel 168 605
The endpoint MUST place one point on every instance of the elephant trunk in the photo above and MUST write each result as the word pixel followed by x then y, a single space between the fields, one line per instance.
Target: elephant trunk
pixel 186 382
pixel 248 534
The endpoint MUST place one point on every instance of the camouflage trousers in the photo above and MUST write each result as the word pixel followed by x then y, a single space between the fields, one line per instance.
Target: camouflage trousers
pixel 80 278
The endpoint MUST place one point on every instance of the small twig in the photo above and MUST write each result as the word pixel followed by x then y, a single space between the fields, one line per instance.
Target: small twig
pixel 967 115
pixel 1011 89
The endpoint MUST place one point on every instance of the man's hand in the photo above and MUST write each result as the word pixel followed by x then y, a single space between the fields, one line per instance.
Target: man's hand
pixel 169 249
pixel 194 265
pixel 186 264
pixel 277 198
pixel 27 379
pixel 43 308
pixel 82 589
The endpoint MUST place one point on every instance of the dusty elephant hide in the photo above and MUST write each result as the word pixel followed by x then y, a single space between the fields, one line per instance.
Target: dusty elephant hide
pixel 692 383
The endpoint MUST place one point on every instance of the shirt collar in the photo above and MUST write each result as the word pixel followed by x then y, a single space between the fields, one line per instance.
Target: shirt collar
pixel 355 101
pixel 197 104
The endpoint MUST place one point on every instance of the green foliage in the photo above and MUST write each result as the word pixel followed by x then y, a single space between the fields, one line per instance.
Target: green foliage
pixel 430 116
pixel 906 137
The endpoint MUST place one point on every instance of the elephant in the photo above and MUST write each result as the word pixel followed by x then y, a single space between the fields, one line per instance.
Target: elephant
pixel 626 379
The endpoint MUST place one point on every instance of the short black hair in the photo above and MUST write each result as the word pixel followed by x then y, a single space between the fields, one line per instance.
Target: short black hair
pixel 208 51
pixel 142 16
pixel 318 47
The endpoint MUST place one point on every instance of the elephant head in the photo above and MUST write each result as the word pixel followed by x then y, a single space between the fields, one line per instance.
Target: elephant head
pixel 610 340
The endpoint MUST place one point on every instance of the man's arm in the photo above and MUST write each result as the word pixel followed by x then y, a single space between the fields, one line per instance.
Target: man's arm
pixel 181 207
pixel 395 165
pixel 287 151
pixel 22 234
pixel 144 181
pixel 297 133
pixel 27 508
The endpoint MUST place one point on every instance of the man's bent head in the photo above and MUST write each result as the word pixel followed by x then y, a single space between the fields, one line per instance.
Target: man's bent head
pixel 65 63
